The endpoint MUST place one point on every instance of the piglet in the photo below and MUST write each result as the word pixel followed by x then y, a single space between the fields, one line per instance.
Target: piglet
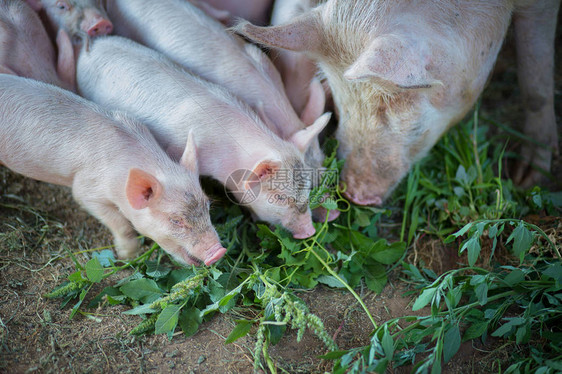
pixel 121 74
pixel 81 19
pixel 114 166
pixel 189 37
pixel 25 48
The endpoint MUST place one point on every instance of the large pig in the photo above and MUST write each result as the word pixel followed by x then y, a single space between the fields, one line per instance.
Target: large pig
pixel 189 37
pixel 402 72
pixel 113 164
pixel 25 48
pixel 119 73
pixel 81 19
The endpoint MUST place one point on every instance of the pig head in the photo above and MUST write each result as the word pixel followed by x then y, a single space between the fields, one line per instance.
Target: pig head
pixel 401 74
pixel 79 18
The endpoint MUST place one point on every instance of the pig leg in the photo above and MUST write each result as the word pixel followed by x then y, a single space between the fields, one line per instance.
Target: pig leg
pixel 66 64
pixel 126 243
pixel 535 27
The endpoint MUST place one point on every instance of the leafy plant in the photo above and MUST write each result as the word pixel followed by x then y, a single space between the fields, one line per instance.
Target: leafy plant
pixel 456 194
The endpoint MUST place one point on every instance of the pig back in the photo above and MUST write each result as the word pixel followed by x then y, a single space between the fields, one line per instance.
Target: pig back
pixel 25 47
pixel 49 134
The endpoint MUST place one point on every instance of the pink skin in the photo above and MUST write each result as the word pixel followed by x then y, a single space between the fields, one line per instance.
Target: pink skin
pixel 400 79
pixel 296 69
pixel 79 18
pixel 306 233
pixel 188 36
pixel 214 254
pixel 255 11
pixel 114 166
pixel 229 135
pixel 95 24
pixel 31 52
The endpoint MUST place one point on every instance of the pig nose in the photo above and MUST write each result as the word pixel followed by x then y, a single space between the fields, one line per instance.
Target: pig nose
pixel 319 214
pixel 214 254
pixel 306 233
pixel 360 200
pixel 100 26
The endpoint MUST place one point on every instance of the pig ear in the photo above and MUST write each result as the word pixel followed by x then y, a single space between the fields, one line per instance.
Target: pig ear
pixel 316 102
pixel 303 138
pixel 301 34
pixel 189 156
pixel 34 4
pixel 66 63
pixel 262 172
pixel 390 60
pixel 142 189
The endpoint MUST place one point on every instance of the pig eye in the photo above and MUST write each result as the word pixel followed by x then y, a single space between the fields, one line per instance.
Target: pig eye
pixel 62 5
pixel 176 221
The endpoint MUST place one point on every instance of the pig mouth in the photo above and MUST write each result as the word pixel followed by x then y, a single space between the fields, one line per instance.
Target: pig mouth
pixel 212 255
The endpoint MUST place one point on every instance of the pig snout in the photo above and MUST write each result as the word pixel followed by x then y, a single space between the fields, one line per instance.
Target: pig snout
pixel 362 199
pixel 319 214
pixel 94 24
pixel 305 232
pixel 301 229
pixel 214 254
pixel 207 250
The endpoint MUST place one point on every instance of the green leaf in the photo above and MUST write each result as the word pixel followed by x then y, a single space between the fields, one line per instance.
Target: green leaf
pixel 387 345
pixel 77 277
pixel 522 240
pixel 451 342
pixel 461 232
pixel 189 321
pixel 156 270
pixel 334 355
pixel 105 257
pixel 424 299
pixel 167 320
pixel 330 204
pixel 481 292
pixel 94 270
pixel 141 309
pixel 362 217
pixel 77 305
pixel 554 271
pixel 391 253
pixel 242 329
pixel 515 277
pixel 475 330
pixel 330 281
pixel 472 246
pixel 144 290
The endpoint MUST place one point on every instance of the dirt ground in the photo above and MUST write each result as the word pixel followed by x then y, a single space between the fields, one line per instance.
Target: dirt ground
pixel 37 336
